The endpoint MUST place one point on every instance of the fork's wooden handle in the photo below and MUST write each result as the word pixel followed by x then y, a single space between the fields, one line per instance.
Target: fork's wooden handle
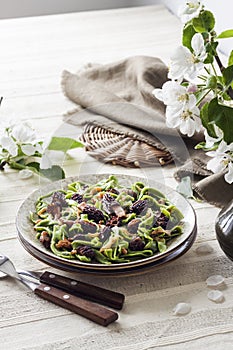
pixel 93 312
pixel 84 290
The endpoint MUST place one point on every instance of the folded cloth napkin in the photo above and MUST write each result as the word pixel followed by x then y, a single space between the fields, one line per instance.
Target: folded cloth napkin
pixel 125 123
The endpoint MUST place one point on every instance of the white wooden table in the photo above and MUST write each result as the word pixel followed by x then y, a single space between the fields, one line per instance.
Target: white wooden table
pixel 34 51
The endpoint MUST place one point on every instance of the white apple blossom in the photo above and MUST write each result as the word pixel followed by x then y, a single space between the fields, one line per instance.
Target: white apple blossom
pixel 189 10
pixel 222 159
pixel 8 144
pixel 186 118
pixel 28 149
pixel 186 64
pixel 181 108
pixel 229 175
pixel 210 141
pixel 19 145
pixel 22 136
pixel 172 94
pixel 25 174
pixel 25 137
pixel 23 133
pixel 6 124
pixel 19 135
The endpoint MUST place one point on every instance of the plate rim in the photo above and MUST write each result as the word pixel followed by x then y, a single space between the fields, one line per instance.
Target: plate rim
pixel 136 270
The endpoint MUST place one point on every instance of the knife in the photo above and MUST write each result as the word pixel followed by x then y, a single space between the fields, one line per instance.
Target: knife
pixel 88 291
pixel 85 308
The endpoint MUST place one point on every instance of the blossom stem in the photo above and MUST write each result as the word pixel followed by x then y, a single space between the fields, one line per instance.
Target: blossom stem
pixel 215 73
pixel 221 67
pixel 202 98
pixel 202 77
pixel 18 166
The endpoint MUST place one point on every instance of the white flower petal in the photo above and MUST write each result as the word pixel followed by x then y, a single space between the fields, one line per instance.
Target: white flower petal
pixel 180 63
pixel 185 64
pixel 23 133
pixel 215 281
pixel 191 103
pixel 190 10
pixel 25 174
pixel 218 132
pixel 210 141
pixel 198 45
pixel 182 309
pixel 46 142
pixel 187 127
pixel 172 118
pixel 216 296
pixel 216 165
pixel 198 124
pixel 176 110
pixel 9 144
pixel 211 153
pixel 174 94
pixel 158 93
pixel 183 127
pixel 6 122
pixel 38 148
pixel 204 248
pixel 28 149
pixel 230 147
pixel 222 148
pixel 229 176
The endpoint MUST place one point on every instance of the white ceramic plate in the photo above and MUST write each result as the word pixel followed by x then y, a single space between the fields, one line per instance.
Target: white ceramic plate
pixel 27 235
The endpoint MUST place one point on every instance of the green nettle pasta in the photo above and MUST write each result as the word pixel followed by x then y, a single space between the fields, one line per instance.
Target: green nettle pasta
pixel 106 222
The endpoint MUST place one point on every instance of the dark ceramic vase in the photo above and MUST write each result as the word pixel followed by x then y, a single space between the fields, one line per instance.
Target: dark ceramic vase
pixel 224 230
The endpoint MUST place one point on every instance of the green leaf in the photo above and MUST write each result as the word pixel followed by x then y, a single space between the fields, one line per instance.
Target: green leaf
pixel 205 22
pixel 230 59
pixel 222 116
pixel 226 34
pixel 202 145
pixel 204 114
pixel 228 75
pixel 188 33
pixel 209 58
pixel 55 173
pixel 63 144
pixel 34 166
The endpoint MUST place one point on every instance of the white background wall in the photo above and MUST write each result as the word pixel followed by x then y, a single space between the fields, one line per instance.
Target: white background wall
pixel 223 9
pixel 21 8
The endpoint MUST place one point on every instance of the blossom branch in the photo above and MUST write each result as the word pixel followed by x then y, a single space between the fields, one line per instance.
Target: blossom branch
pixel 184 102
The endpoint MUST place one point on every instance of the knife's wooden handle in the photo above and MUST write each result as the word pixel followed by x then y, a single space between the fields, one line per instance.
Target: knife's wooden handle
pixel 84 290
pixel 85 308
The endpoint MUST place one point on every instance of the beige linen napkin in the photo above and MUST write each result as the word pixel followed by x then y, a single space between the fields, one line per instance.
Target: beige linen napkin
pixel 117 98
